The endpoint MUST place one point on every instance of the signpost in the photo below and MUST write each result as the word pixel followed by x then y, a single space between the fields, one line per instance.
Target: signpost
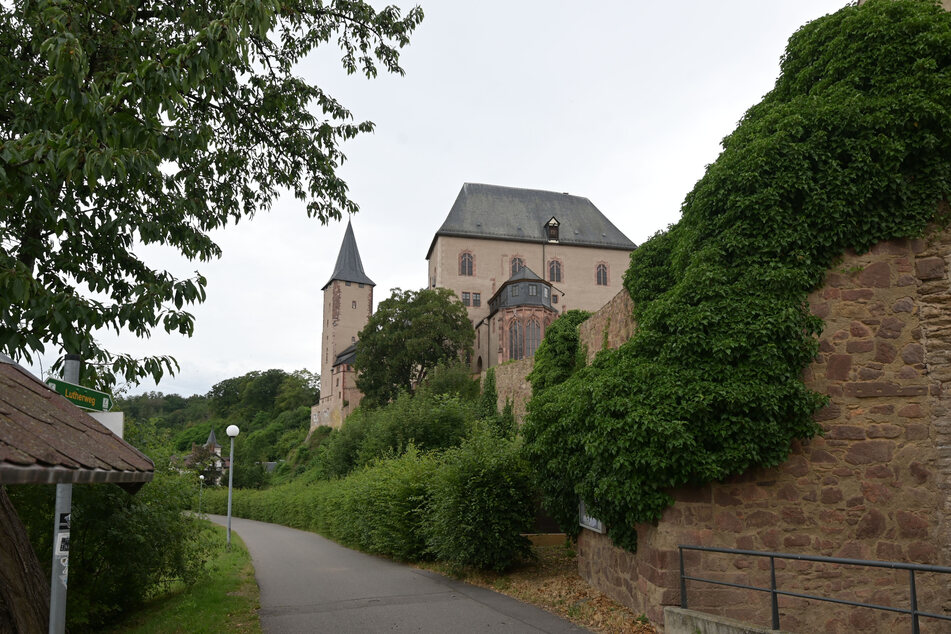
pixel 82 396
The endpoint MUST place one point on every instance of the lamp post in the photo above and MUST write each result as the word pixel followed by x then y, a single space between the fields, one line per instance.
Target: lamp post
pixel 232 431
pixel 201 485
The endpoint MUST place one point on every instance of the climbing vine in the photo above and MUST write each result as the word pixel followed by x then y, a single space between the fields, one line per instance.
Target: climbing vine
pixel 851 147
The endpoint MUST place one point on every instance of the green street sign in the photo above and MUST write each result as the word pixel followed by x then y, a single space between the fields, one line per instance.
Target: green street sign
pixel 82 396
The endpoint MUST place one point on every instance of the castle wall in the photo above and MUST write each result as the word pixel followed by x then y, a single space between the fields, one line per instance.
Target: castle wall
pixel 877 485
pixel 510 384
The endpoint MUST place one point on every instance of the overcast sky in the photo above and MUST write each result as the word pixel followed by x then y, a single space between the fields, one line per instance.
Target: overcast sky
pixel 623 102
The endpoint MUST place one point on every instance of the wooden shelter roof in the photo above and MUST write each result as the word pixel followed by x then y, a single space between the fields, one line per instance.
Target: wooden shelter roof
pixel 46 439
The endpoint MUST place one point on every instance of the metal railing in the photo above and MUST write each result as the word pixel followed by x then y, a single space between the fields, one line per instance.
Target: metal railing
pixel 775 592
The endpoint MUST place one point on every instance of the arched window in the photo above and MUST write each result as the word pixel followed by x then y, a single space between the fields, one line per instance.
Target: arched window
pixel 533 337
pixel 554 271
pixel 515 341
pixel 602 275
pixel 517 265
pixel 465 264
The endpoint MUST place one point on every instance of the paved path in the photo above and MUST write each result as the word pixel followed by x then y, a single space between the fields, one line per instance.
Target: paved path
pixel 311 584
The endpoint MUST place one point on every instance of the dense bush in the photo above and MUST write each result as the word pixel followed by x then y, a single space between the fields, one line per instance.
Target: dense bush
pixel 851 147
pixel 480 496
pixel 427 420
pixel 124 548
pixel 482 502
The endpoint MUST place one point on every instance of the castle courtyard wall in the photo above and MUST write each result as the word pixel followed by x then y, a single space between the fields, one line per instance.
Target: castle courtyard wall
pixel 877 485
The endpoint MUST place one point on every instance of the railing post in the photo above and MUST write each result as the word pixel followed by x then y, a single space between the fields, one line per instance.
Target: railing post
pixel 914 602
pixel 774 598
pixel 683 582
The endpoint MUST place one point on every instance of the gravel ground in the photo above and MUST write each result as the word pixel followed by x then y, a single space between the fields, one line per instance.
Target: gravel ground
pixel 552 582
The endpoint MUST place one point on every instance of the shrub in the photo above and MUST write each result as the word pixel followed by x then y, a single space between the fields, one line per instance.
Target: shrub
pixel 124 549
pixel 468 505
pixel 482 502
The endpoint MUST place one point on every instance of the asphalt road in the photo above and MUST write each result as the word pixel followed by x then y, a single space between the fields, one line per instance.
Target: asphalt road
pixel 311 584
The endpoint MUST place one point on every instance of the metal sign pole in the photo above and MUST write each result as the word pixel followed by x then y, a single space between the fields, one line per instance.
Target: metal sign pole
pixel 61 522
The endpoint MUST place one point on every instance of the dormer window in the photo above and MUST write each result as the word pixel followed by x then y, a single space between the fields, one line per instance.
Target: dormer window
pixel 551 230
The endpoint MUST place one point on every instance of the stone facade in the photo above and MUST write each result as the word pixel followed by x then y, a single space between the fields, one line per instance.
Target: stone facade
pixel 877 485
pixel 609 327
pixel 492 267
pixel 511 385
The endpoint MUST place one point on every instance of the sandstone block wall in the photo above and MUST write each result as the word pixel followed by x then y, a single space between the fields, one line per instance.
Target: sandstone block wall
pixel 877 485
pixel 510 383
pixel 609 327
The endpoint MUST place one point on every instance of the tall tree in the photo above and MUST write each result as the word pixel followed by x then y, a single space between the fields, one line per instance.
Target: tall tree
pixel 131 122
pixel 410 333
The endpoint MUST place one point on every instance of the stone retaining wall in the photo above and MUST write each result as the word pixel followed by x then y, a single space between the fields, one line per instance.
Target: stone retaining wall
pixel 510 383
pixel 876 486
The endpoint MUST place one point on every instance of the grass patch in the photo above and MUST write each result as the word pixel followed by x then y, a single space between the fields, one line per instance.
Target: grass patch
pixel 551 581
pixel 225 599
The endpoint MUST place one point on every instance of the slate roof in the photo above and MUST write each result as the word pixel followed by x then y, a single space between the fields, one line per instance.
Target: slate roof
pixel 347 355
pixel 501 299
pixel 46 439
pixel 349 267
pixel 510 213
pixel 524 273
pixel 212 439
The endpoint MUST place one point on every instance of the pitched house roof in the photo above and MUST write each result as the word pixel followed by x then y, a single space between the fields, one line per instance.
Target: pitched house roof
pixel 510 213
pixel 46 439
pixel 349 267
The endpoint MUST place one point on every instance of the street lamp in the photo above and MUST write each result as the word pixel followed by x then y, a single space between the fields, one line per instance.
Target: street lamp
pixel 232 431
pixel 201 483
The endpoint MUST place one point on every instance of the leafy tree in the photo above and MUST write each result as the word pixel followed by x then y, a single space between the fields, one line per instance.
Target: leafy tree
pixel 134 123
pixel 410 333
pixel 300 388
pixel 451 379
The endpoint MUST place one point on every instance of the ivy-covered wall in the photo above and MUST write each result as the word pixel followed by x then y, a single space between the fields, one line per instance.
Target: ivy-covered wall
pixel 718 384
pixel 875 485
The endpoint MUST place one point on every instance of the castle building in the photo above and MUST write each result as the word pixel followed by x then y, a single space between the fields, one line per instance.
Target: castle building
pixel 348 304
pixel 516 258
pixel 576 258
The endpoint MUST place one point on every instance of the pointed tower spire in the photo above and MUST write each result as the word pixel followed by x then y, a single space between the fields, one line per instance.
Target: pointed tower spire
pixel 349 266
pixel 212 441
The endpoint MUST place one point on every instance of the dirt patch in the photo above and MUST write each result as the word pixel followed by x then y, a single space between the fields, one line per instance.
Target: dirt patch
pixel 552 583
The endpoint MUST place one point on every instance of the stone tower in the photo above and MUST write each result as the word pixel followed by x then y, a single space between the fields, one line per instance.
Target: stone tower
pixel 348 304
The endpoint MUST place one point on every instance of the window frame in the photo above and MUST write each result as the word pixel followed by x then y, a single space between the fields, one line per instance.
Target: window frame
pixel 516 337
pixel 601 273
pixel 466 264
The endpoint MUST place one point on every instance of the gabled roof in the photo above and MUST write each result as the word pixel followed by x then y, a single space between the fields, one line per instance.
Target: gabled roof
pixel 45 439
pixel 509 213
pixel 349 266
